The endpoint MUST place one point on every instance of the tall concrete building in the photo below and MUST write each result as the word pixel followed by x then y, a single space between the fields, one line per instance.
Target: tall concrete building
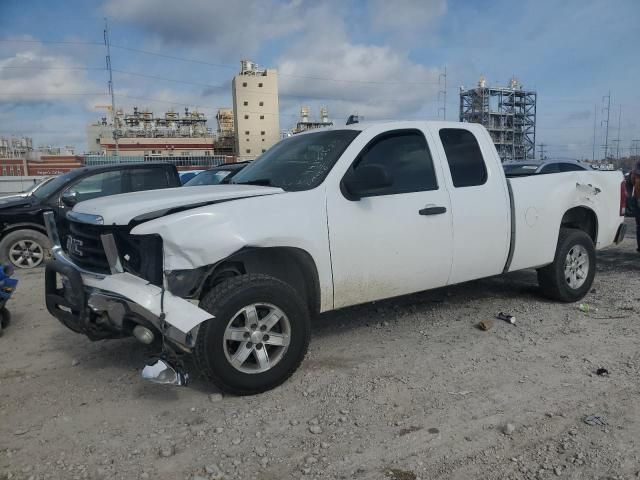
pixel 255 109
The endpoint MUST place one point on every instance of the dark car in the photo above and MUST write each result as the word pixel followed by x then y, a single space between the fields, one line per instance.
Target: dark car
pixel 216 175
pixel 187 175
pixel 23 236
pixel 515 169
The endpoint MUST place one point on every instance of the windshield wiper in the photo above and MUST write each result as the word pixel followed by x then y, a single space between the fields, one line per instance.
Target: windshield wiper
pixel 265 182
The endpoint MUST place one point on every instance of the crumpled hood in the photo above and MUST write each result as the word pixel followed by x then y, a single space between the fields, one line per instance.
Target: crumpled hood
pixel 141 206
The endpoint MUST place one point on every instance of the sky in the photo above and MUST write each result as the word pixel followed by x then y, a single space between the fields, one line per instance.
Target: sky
pixel 380 58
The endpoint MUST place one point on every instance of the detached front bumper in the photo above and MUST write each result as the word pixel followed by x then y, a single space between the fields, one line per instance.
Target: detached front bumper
pixel 620 234
pixel 111 306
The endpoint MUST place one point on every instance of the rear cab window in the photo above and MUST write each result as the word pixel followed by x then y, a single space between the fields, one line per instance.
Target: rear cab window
pixel 570 167
pixel 464 157
pixel 550 168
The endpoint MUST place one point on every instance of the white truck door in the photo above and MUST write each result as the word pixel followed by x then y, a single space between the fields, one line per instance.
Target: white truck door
pixel 395 239
pixel 480 202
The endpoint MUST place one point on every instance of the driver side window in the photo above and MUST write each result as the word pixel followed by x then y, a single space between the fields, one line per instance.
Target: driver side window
pixel 405 156
pixel 98 185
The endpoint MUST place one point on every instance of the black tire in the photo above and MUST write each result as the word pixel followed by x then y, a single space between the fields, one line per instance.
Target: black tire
pixel 552 279
pixel 223 302
pixel 35 239
pixel 5 317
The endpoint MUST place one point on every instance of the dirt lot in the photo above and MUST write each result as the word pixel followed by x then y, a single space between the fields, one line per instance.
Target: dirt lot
pixel 402 389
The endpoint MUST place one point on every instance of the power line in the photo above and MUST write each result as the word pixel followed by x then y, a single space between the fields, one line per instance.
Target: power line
pixel 222 65
pixel 174 57
pixel 222 86
pixel 595 114
pixel 618 139
pixel 606 122
pixel 30 67
pixel 53 93
pixel 234 67
pixel 53 42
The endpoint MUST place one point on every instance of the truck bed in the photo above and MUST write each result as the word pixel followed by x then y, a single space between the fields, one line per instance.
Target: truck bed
pixel 539 203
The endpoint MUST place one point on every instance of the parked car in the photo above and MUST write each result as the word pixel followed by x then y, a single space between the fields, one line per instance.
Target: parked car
pixel 233 274
pixel 187 175
pixel 36 185
pixel 216 175
pixel 28 191
pixel 512 169
pixel 23 240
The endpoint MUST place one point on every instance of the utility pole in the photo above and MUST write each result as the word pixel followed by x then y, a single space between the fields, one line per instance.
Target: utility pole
pixel 542 156
pixel 113 100
pixel 635 146
pixel 595 116
pixel 606 122
pixel 443 77
pixel 618 140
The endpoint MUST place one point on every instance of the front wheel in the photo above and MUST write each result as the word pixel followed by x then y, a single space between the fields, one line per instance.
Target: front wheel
pixel 258 337
pixel 570 276
pixel 24 248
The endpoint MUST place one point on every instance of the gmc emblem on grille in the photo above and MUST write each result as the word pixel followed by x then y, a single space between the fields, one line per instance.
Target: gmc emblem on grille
pixel 73 246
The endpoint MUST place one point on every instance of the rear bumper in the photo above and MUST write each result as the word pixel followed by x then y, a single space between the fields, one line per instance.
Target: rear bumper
pixel 110 306
pixel 622 230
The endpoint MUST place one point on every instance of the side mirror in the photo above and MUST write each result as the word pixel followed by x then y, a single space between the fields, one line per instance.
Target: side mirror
pixel 364 180
pixel 69 198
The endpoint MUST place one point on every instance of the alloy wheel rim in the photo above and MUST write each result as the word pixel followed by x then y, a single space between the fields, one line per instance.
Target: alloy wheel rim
pixel 26 254
pixel 576 266
pixel 257 338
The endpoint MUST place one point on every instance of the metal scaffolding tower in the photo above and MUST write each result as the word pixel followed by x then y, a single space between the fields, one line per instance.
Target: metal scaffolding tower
pixel 508 113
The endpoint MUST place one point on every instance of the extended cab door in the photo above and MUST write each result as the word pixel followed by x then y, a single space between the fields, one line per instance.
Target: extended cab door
pixel 480 202
pixel 396 239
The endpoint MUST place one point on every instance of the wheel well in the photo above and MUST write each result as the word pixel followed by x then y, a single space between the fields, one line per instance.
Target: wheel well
pixel 23 226
pixel 291 265
pixel 582 218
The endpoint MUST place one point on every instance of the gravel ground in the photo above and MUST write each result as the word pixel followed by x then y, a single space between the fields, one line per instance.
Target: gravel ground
pixel 403 389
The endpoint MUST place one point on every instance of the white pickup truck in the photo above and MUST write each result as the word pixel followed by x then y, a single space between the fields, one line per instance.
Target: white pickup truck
pixel 233 274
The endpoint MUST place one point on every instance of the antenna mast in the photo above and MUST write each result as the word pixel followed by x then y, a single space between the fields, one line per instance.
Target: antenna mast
pixel 113 100
pixel 443 76
pixel 606 122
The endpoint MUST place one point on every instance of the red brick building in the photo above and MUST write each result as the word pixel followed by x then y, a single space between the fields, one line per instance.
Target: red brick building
pixel 54 164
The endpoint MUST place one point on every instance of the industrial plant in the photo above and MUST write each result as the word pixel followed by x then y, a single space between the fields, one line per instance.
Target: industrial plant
pixel 305 122
pixel 143 133
pixel 508 113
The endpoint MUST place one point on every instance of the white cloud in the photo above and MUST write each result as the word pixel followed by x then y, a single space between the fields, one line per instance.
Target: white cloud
pixel 405 16
pixel 34 76
pixel 375 81
pixel 326 67
pixel 228 28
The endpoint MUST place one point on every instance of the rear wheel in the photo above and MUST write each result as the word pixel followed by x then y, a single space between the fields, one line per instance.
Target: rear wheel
pixel 258 337
pixel 24 248
pixel 571 274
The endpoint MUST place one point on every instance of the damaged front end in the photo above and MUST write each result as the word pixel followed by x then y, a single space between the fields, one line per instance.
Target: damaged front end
pixel 102 292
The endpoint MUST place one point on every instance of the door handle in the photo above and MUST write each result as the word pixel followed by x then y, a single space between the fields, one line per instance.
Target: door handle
pixel 433 211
